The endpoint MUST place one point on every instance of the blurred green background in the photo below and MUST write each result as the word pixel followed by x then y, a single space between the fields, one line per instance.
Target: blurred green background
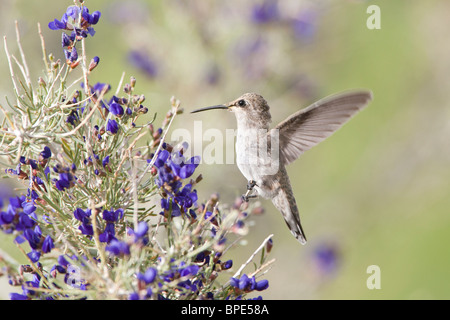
pixel 375 193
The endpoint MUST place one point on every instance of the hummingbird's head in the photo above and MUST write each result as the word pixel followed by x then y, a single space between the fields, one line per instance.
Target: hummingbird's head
pixel 250 108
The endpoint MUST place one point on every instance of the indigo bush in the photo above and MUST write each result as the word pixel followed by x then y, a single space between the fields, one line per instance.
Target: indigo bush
pixel 94 171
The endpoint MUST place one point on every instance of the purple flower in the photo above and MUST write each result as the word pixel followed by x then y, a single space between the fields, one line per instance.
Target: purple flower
pixel 82 215
pixel 94 62
pixel 65 40
pixel 105 161
pixel 18 171
pixel 57 25
pixel 6 217
pixel 47 245
pixel 190 285
pixel 86 229
pixel 99 87
pixel 142 229
pixel 265 12
pixel 118 248
pixel 249 284
pixel 203 257
pixel 161 159
pixel 72 55
pixel 140 234
pixel 133 296
pixel 186 197
pixel 73 117
pixel 29 207
pixel 262 285
pixel 24 222
pixel 62 261
pixel 73 13
pixel 116 109
pixel 112 126
pixel 46 153
pixel 189 167
pixel 16 202
pixel 65 181
pixel 149 275
pixel 17 296
pixel 304 26
pixel 109 234
pixel 34 255
pixel 33 237
pixel 211 217
pixel 113 216
pixel 90 18
pixel 190 270
pixel 227 264
pixel 326 257
pixel 142 61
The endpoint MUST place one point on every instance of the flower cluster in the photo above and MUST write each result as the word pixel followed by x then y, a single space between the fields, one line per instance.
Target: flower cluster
pixel 137 238
pixel 66 178
pixel 20 215
pixel 67 265
pixel 27 289
pixel 20 218
pixel 79 21
pixel 172 168
pixel 246 284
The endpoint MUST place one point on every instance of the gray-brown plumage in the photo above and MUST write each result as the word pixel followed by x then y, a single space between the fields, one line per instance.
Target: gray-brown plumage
pixel 263 153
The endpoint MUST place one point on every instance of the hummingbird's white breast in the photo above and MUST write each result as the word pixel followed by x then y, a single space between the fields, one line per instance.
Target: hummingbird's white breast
pixel 256 158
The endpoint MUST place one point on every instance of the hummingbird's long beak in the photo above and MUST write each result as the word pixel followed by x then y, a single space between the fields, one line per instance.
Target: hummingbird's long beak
pixel 220 106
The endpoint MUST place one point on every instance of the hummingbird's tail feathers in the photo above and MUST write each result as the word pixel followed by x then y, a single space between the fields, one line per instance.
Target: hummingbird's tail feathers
pixel 285 203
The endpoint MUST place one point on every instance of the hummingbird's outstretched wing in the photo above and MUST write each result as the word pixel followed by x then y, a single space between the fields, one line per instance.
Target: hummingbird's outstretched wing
pixel 309 126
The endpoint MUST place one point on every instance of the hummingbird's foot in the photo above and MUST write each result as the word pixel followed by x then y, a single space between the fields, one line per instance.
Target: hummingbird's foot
pixel 251 184
pixel 247 198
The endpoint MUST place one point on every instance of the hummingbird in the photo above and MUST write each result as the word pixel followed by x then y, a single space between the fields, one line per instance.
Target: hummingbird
pixel 262 154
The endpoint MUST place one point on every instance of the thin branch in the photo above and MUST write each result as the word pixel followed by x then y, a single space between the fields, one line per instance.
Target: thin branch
pixel 126 153
pixel 11 70
pixel 135 196
pixel 22 54
pixel 51 86
pixel 83 66
pixel 265 265
pixel 252 256
pixel 74 130
pixel 120 83
pixel 44 51
pixel 100 247
pixel 7 117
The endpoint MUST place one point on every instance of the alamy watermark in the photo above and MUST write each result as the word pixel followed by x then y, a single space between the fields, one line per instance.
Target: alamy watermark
pixel 255 147
pixel 374 280
pixel 374 20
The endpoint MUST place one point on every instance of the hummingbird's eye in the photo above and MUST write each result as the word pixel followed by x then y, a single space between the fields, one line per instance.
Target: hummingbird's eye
pixel 241 103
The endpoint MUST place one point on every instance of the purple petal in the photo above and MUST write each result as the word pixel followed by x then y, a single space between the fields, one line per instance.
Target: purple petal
pixel 262 285
pixel 47 245
pixel 34 256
